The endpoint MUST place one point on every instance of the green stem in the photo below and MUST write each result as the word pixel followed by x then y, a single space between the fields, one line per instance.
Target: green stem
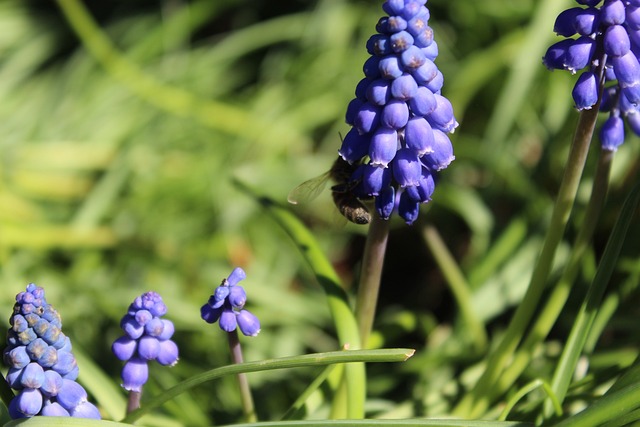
pixel 245 391
pixel 477 401
pixel 560 293
pixel 371 272
pixel 458 285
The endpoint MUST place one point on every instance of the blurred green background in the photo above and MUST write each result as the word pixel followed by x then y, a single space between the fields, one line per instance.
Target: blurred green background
pixel 118 155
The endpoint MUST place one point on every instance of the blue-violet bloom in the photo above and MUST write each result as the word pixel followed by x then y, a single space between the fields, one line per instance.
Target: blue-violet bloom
pixel 399 118
pixel 226 306
pixel 42 367
pixel 609 32
pixel 147 337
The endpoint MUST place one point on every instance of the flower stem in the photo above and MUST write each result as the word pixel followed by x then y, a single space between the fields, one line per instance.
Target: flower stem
pixel 370 275
pixel 560 292
pixel 133 402
pixel 245 391
pixel 477 401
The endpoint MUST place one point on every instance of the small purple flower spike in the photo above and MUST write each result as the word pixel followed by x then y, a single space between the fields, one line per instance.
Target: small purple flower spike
pixel 226 306
pixel 147 337
pixel 397 112
pixel 609 32
pixel 42 367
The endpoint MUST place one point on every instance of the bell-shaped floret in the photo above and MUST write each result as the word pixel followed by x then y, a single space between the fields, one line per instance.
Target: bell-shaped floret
pixel 248 323
pixel 585 91
pixel 135 374
pixel 383 147
pixel 612 133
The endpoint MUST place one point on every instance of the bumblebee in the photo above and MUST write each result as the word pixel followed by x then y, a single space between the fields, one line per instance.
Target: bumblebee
pixel 348 204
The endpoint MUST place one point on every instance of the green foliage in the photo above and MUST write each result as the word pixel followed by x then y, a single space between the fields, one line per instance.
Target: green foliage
pixel 118 159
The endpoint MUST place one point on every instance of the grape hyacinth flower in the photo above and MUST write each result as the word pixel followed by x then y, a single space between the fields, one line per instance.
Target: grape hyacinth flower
pixel 226 306
pixel 610 33
pixel 147 337
pixel 399 118
pixel 42 367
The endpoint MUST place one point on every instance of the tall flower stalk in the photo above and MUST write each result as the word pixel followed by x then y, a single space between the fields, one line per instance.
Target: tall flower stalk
pixel 398 141
pixel 226 306
pixel 603 44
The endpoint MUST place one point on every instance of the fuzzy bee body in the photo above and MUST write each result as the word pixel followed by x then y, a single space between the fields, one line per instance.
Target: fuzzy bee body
pixel 348 204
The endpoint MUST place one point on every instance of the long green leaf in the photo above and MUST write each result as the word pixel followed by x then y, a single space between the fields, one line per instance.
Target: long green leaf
pixel 315 359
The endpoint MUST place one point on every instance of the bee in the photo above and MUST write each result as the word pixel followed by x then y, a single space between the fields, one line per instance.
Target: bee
pixel 349 205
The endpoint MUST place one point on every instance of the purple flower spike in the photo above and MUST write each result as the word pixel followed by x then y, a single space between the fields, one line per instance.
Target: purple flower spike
pixel 613 26
pixel 152 334
pixel 403 122
pixel 40 359
pixel 230 313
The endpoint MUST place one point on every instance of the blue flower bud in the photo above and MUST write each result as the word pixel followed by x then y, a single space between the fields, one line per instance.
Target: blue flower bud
pixel 384 144
pixel 148 347
pixel 553 59
pixel 587 21
pixel 412 58
pixel 401 41
pixel 237 297
pixel 425 73
pixel 612 133
pixel 393 7
pixel 209 314
pixel 442 116
pixel 632 17
pixel 407 169
pixel 352 110
pixel 408 209
pixel 32 376
pixel 71 394
pixel 585 91
pixel 220 295
pixel 66 363
pixel 565 22
pixel 18 323
pixel 367 118
pixel 423 103
pixel 411 9
pixel 375 178
pixel 385 202
pixel 36 348
pixel 17 357
pixel 579 54
pixel 634 122
pixel 154 327
pixel 248 323
pixel 85 410
pixel 14 378
pixel 390 68
pixel 395 114
pixel 612 13
pixel 442 154
pixel 379 44
pixel 354 146
pixel 52 383
pixel 29 402
pixel 167 330
pixel 48 358
pixel 627 69
pixel 168 355
pixel 361 89
pixel 135 374
pixel 418 136
pixel 396 24
pixel 404 87
pixel 630 98
pixel 371 67
pixel 54 409
pixel 616 41
pixel 431 51
pixel 143 316
pixel 236 276
pixel 426 186
pixel 228 321
pixel 436 83
pixel 131 326
pixel 378 93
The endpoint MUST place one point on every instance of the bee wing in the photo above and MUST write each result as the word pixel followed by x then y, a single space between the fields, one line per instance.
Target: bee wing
pixel 308 190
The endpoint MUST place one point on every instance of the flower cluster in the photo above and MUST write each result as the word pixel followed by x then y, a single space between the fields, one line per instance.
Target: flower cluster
pixel 399 118
pixel 227 305
pixel 609 33
pixel 147 337
pixel 42 367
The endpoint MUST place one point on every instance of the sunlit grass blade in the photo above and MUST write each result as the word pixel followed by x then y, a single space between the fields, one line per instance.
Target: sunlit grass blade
pixel 315 359
pixel 589 309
